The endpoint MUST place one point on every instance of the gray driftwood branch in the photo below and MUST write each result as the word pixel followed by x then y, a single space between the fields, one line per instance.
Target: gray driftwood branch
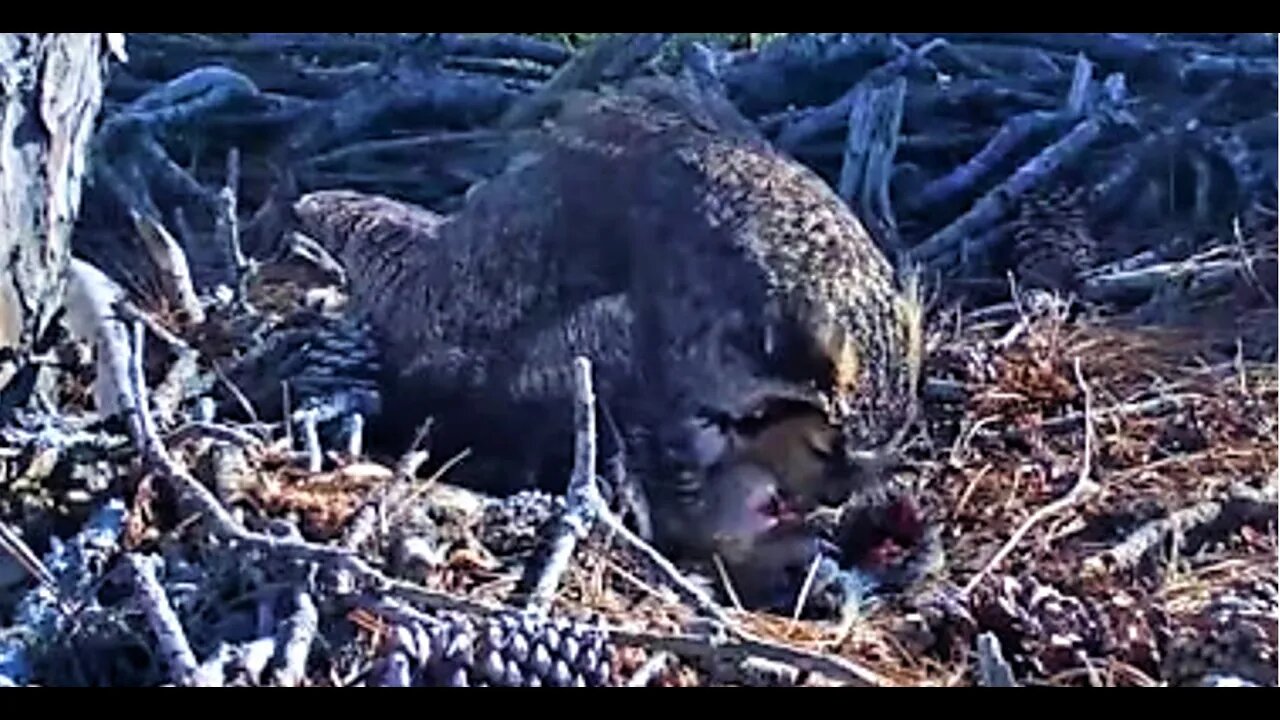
pixel 874 124
pixel 993 669
pixel 580 510
pixel 1243 505
pixel 296 636
pixel 618 55
pixel 1000 201
pixel 1012 136
pixel 168 257
pixel 812 123
pixel 170 636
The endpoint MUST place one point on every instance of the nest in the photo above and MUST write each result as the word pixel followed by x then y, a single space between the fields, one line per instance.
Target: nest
pixel 1097 451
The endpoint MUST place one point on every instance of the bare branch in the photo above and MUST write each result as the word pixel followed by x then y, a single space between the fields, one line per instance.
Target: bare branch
pixel 295 640
pixel 1083 486
pixel 164 621
pixel 872 143
pixel 579 513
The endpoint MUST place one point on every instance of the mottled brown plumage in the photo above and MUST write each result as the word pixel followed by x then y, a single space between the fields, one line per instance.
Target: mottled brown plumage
pixel 718 287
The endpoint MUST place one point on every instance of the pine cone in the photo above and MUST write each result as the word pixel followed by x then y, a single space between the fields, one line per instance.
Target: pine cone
pixel 514 524
pixel 322 358
pixel 1234 635
pixel 1051 240
pixel 1047 631
pixel 507 651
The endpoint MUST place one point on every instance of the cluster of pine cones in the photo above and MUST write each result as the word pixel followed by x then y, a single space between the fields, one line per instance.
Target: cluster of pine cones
pixel 505 651
pixel 514 525
pixel 1234 635
pixel 1045 632
pixel 326 361
pixel 1052 244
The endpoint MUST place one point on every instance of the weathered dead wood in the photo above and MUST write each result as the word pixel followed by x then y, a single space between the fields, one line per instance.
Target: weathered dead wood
pixel 226 231
pixel 294 641
pixel 999 202
pixel 1242 506
pixel 12 543
pixel 172 639
pixel 51 87
pixel 1138 56
pixel 805 69
pixel 501 45
pixel 614 56
pixel 993 669
pixel 1214 68
pixel 136 167
pixel 181 100
pixel 43 614
pixel 1078 96
pixel 346 47
pixel 931 108
pixel 202 429
pixel 959 62
pixel 1235 43
pixel 805 126
pixel 579 513
pixel 168 257
pixel 964 179
pixel 429 92
pixel 515 70
pixel 1013 60
pixel 1199 278
pixel 306 67
pixel 869 153
pixel 981 102
pixel 947 143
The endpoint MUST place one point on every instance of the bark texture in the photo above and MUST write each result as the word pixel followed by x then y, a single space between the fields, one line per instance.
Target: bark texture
pixel 51 87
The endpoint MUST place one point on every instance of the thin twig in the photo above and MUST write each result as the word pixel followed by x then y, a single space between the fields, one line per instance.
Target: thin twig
pixel 744 648
pixel 703 601
pixel 1083 486
pixel 404 503
pixel 213 430
pixel 726 582
pixel 578 516
pixel 806 588
pixel 12 542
